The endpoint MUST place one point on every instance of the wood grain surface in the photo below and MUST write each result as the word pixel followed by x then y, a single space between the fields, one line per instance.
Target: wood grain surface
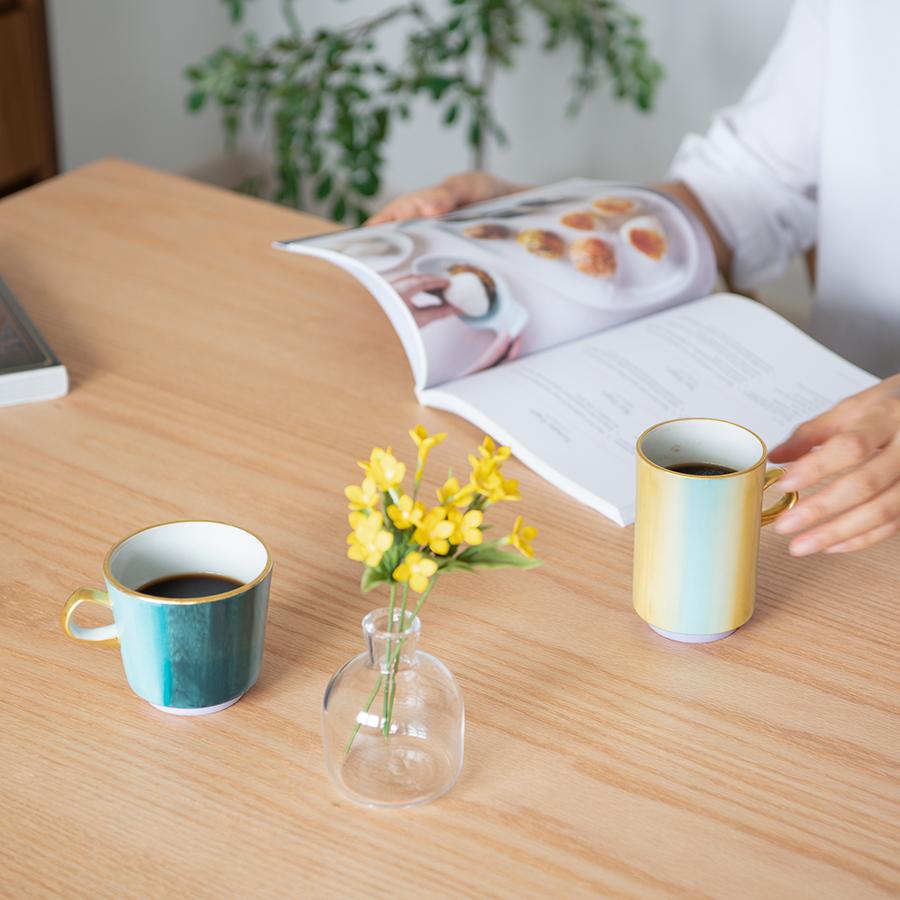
pixel 216 378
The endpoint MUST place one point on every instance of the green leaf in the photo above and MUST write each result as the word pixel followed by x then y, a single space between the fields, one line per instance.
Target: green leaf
pixel 339 210
pixel 235 9
pixel 437 85
pixel 451 114
pixel 382 123
pixel 361 214
pixel 323 187
pixel 231 123
pixel 371 578
pixel 285 45
pixel 195 100
pixel 455 565
pixel 493 555
pixel 367 184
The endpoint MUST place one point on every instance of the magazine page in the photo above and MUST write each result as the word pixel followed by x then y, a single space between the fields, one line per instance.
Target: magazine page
pixel 505 279
pixel 573 414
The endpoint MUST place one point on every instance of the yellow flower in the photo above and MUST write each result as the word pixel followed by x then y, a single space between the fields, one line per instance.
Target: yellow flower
pixel 488 480
pixel 425 443
pixel 451 494
pixel 384 469
pixel 465 526
pixel 405 513
pixel 368 541
pixel 434 530
pixel 417 570
pixel 522 536
pixel 485 476
pixel 489 450
pixel 364 497
pixel 507 490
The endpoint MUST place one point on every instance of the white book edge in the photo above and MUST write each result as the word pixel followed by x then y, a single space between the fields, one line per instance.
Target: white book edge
pixel 33 385
pixel 438 399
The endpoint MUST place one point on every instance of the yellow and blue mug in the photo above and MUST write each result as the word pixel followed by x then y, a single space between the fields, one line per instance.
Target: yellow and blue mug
pixel 185 656
pixel 696 537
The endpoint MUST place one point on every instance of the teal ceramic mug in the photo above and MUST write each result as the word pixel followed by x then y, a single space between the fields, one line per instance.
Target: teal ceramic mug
pixel 188 656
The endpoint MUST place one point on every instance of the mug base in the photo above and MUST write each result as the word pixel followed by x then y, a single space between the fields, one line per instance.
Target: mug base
pixel 201 711
pixel 692 638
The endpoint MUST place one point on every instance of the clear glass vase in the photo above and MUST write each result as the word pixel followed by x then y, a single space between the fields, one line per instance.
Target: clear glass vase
pixel 393 719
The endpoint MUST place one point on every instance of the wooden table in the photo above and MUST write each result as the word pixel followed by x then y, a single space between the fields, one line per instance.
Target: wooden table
pixel 214 377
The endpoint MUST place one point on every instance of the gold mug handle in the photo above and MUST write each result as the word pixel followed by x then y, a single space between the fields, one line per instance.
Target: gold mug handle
pixel 102 636
pixel 783 503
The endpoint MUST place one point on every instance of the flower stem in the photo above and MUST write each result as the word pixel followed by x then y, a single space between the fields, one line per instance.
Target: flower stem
pixel 388 682
pixel 393 659
pixel 369 703
pixel 403 607
pixel 393 689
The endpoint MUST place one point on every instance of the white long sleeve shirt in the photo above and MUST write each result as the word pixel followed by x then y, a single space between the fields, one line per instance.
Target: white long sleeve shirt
pixel 811 156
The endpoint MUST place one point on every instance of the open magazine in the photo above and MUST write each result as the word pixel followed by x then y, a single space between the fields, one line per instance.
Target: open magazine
pixel 566 319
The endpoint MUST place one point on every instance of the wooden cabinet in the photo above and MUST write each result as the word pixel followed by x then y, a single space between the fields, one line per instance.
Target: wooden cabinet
pixel 27 140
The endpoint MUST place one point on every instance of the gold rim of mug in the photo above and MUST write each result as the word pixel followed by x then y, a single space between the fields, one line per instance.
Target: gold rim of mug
pixel 184 601
pixel 640 451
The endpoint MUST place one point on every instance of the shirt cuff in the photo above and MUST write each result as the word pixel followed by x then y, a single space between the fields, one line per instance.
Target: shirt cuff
pixel 745 210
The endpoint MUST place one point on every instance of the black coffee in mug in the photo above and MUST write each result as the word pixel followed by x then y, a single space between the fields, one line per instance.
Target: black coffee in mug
pixel 701 468
pixel 190 586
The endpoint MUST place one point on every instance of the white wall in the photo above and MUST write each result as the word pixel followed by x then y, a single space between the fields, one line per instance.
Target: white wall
pixel 120 90
pixel 119 85
pixel 118 68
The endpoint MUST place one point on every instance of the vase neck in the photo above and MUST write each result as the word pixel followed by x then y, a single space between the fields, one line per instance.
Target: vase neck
pixel 395 645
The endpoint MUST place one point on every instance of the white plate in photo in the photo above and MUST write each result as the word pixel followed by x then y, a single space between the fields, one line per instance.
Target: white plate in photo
pixel 482 296
pixel 381 250
pixel 638 282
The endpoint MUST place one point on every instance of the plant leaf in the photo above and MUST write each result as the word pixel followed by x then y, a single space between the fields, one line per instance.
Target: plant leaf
pixel 323 188
pixel 195 100
pixel 371 578
pixel 367 184
pixel 492 555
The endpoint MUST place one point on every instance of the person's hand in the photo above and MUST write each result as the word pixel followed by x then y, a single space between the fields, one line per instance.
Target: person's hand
pixel 450 194
pixel 859 441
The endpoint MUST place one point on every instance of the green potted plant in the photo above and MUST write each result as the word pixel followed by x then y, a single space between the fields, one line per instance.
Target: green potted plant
pixel 329 97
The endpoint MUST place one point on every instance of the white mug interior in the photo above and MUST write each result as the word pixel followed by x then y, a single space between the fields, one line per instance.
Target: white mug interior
pixel 703 441
pixel 179 548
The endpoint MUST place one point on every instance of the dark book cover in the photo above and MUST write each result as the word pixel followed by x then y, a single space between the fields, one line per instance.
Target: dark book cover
pixel 29 369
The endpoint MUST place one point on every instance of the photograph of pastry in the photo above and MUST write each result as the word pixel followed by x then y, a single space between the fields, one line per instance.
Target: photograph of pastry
pixel 489 231
pixel 593 256
pixel 547 244
pixel 627 249
pixel 582 220
pixel 645 234
pixel 471 290
pixel 613 207
pixel 504 279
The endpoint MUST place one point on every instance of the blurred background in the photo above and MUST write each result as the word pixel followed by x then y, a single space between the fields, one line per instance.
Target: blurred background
pixel 118 84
